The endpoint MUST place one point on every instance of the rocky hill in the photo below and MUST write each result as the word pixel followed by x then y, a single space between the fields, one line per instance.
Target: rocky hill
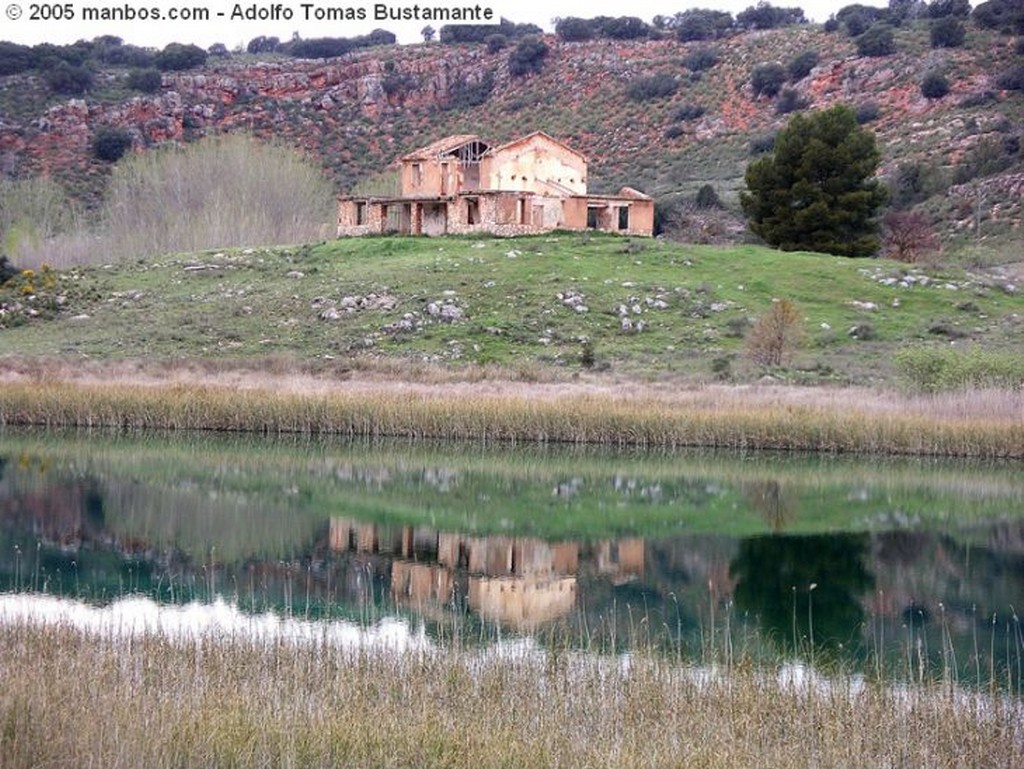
pixel 648 113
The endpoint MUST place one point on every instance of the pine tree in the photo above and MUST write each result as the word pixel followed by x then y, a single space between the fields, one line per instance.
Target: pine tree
pixel 817 191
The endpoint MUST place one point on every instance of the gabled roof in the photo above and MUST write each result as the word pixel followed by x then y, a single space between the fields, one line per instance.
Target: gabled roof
pixel 629 192
pixel 441 147
pixel 536 134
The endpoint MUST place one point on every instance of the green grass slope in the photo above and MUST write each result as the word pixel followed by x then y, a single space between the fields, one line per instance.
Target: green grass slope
pixel 627 305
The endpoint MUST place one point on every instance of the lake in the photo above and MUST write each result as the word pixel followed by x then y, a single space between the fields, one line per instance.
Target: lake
pixel 907 567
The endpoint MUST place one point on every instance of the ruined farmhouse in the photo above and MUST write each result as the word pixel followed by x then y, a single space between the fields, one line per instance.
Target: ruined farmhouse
pixel 461 184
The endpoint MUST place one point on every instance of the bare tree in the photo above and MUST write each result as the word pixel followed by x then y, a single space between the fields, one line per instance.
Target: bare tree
pixel 775 335
pixel 909 237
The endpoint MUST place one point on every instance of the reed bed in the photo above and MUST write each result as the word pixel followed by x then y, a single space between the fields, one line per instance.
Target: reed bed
pixel 79 698
pixel 579 417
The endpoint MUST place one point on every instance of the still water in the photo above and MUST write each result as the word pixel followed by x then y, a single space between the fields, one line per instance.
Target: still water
pixel 914 565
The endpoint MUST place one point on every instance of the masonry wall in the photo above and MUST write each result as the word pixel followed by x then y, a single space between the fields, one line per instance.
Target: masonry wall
pixel 535 166
pixel 641 217
pixel 503 214
pixel 436 178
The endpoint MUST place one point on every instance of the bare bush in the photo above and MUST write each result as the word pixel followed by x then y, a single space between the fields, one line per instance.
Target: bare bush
pixel 219 193
pixel 775 335
pixel 31 212
pixel 228 191
pixel 909 237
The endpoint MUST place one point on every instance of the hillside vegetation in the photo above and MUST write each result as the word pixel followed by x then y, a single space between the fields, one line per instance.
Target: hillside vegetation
pixel 663 114
pixel 568 301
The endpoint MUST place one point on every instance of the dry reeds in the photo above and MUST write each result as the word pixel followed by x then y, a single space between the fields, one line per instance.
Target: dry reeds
pixel 221 192
pixel 580 417
pixel 72 698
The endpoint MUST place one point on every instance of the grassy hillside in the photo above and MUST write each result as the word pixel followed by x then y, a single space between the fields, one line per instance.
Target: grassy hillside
pixel 568 300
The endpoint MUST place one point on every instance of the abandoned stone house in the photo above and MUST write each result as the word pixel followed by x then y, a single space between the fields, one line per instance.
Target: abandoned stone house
pixel 460 184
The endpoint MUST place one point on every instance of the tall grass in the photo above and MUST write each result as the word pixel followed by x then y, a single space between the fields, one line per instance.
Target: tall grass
pixel 73 698
pixel 32 212
pixel 220 192
pixel 573 417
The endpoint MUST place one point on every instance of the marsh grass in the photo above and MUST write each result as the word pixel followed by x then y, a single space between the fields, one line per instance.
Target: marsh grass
pixel 615 418
pixel 74 698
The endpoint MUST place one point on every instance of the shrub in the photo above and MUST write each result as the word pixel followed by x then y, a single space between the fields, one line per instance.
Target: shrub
pixel 767 79
pixel 706 197
pixel 666 211
pixel 67 79
pixel 762 144
pixel 857 23
pixel 916 182
pixel 320 48
pixel 495 43
pixel 775 334
pixel 176 57
pixel 702 24
pixel 879 40
pixel 466 94
pixel 947 32
pixel 1005 15
pixel 573 29
pixel 701 59
pixel 801 66
pixel 673 132
pixel 652 87
pixel 1012 79
pixel 398 84
pixel 934 85
pixel 15 58
pixel 867 112
pixel 374 38
pixel 263 45
pixel 766 16
pixel 124 55
pixel 7 270
pixel 625 28
pixel 477 33
pixel 986 158
pixel 900 11
pixel 688 112
pixel 528 57
pixel 790 100
pixel 943 9
pixel 110 144
pixel 933 369
pixel 145 80
pixel 978 99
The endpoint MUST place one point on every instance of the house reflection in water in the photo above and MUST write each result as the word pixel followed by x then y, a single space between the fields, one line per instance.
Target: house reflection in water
pixel 518 582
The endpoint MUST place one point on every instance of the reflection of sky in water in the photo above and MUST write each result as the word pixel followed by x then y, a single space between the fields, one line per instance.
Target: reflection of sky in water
pixel 135 615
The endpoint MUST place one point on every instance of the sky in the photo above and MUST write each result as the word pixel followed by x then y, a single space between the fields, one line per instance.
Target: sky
pixel 21 21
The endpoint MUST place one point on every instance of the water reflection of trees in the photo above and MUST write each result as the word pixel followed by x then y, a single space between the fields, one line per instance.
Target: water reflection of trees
pixel 771 500
pixel 98 537
pixel 804 588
